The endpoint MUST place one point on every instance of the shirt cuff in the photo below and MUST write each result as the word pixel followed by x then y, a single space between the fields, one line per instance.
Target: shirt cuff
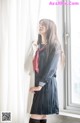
pixel 42 84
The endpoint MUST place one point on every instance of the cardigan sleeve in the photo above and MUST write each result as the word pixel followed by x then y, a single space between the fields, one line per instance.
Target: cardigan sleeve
pixel 51 68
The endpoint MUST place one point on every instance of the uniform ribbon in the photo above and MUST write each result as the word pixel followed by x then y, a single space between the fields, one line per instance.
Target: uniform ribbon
pixel 36 59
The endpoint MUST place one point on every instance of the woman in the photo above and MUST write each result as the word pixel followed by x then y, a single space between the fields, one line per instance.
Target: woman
pixel 45 60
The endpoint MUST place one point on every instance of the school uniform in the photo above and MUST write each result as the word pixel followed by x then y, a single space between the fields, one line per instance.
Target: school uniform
pixel 45 101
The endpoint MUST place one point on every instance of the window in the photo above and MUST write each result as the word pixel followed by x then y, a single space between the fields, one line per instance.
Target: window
pixel 72 51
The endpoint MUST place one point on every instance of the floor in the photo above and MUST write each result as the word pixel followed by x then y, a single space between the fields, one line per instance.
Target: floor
pixel 62 119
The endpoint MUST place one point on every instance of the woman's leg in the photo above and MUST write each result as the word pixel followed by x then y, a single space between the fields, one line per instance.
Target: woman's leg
pixel 31 120
pixel 37 118
pixel 43 121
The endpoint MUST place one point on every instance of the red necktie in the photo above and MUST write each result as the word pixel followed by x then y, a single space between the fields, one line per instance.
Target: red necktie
pixel 36 60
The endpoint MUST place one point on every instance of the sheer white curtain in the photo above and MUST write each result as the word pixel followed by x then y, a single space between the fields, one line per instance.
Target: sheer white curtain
pixel 18 28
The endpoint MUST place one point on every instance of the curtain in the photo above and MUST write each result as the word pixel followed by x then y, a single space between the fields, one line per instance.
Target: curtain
pixel 18 28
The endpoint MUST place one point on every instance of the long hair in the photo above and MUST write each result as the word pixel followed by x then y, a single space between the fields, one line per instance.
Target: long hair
pixel 51 37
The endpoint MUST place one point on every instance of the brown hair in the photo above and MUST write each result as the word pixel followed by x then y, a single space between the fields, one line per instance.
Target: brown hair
pixel 51 38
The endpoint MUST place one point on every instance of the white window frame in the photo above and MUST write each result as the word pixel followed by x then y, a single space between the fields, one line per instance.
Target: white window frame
pixel 68 105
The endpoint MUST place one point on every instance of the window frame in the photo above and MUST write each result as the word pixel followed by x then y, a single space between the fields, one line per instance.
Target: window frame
pixel 68 105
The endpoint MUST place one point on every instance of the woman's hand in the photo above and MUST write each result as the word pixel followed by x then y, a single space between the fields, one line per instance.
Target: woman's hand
pixel 34 45
pixel 38 88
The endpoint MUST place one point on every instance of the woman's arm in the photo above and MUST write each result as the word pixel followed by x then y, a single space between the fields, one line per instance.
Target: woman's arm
pixel 51 68
pixel 38 88
pixel 48 73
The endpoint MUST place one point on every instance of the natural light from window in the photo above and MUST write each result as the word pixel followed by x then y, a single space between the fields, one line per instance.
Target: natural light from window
pixel 75 52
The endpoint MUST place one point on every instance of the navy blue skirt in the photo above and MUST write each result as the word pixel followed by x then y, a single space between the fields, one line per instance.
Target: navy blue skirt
pixel 45 101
